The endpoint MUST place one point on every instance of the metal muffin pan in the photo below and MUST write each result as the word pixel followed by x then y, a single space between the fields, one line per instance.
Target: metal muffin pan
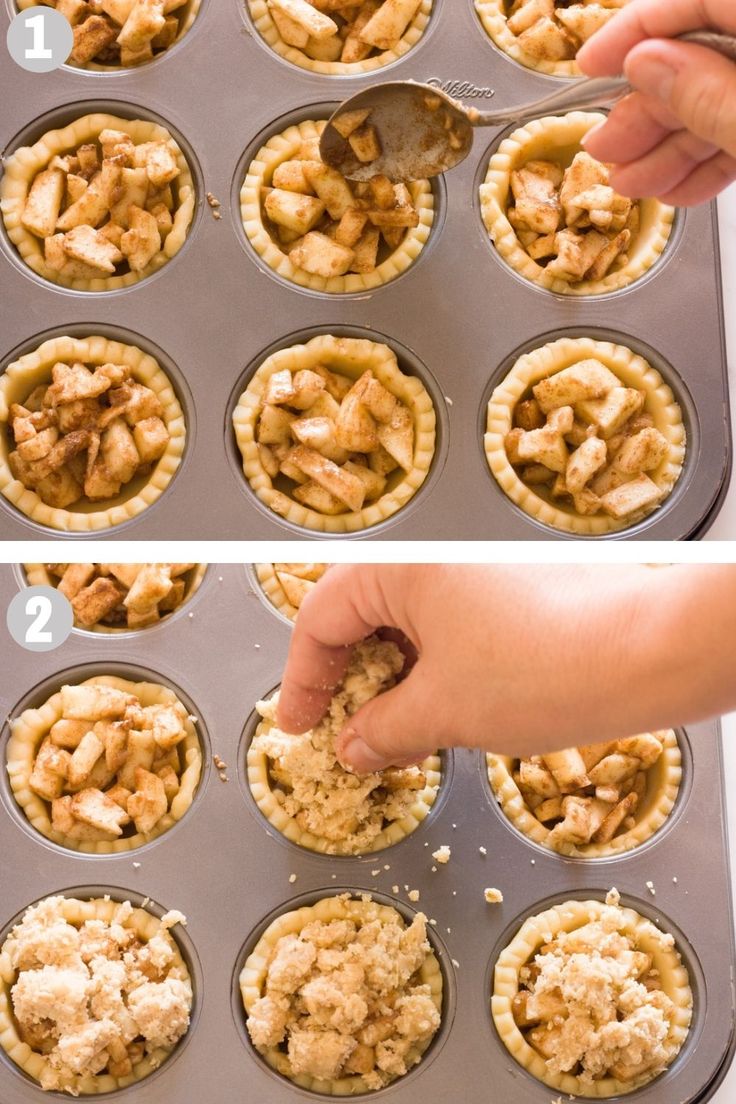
pixel 229 871
pixel 214 308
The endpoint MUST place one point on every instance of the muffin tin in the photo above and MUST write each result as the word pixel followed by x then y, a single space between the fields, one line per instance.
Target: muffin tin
pixel 214 310
pixel 229 872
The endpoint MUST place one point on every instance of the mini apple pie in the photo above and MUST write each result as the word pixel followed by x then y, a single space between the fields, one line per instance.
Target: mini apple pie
pixel 555 219
pixel 100 204
pixel 333 435
pixel 105 766
pixel 591 801
pixel 300 786
pixel 545 34
pixel 119 34
pixel 591 998
pixel 94 994
pixel 342 996
pixel 341 37
pixel 286 585
pixel 324 232
pixel 585 436
pixel 112 597
pixel 91 433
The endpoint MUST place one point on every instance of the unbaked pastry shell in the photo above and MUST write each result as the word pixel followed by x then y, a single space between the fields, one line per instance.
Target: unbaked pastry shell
pixel 22 167
pixel 557 138
pixel 186 14
pixel 30 728
pixel 253 977
pixel 494 20
pixel 273 590
pixel 37 574
pixel 663 784
pixel 264 24
pixel 261 787
pixel 541 929
pixel 546 361
pixel 350 357
pixel 283 147
pixel 23 375
pixel 145 925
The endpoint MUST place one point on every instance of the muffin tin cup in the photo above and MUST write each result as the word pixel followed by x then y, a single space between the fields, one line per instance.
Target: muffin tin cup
pixel 461 312
pixel 188 952
pixel 227 872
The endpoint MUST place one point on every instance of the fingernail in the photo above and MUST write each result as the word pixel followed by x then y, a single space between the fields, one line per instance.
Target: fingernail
pixel 594 130
pixel 355 755
pixel 654 77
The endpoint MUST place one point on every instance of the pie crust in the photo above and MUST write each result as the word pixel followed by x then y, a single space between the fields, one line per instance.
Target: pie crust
pixel 37 574
pixel 186 15
pixel 349 357
pixel 253 978
pixel 30 728
pixel 494 20
pixel 264 24
pixel 25 163
pixel 75 911
pixel 26 373
pixel 541 929
pixel 274 591
pixel 283 147
pixel 540 363
pixel 663 784
pixel 557 138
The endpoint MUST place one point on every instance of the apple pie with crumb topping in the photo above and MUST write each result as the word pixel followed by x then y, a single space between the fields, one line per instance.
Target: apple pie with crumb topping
pixel 303 790
pixel 343 996
pixel 592 998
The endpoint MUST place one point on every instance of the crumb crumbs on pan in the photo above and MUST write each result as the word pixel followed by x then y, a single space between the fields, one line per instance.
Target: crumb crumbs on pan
pixel 493 896
pixel 136 865
pixel 483 850
pixel 375 873
pixel 213 200
pixel 434 869
pixel 675 880
pixel 413 895
pixel 394 889
pixel 442 854
pixel 292 878
pixel 433 921
pixel 652 890
pixel 455 963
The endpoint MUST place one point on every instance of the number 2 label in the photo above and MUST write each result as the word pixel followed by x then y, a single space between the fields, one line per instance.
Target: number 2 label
pixel 40 609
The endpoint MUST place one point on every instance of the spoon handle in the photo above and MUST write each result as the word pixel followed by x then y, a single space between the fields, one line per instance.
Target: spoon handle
pixel 599 92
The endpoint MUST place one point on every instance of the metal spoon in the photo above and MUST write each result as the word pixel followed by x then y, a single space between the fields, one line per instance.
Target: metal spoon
pixel 424 132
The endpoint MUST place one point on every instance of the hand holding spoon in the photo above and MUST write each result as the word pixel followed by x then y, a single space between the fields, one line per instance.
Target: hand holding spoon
pixel 422 132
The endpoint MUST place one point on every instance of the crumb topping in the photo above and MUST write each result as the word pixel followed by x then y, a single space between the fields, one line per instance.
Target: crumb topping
pixel 442 854
pixel 591 1002
pixel 347 810
pixel 95 998
pixel 493 896
pixel 345 997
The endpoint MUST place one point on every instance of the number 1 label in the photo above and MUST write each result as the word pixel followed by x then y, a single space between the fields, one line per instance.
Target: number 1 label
pixel 38 51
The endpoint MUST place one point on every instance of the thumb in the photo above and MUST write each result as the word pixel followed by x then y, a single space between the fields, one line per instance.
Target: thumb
pixel 696 84
pixel 395 728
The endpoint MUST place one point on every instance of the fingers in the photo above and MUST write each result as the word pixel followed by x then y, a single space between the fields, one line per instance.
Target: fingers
pixel 704 183
pixel 329 621
pixel 348 604
pixel 661 171
pixel 604 54
pixel 635 126
pixel 398 727
pixel 697 85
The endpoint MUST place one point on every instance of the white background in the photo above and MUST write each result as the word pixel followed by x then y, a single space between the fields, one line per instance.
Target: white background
pixel 727 1092
pixel 725 524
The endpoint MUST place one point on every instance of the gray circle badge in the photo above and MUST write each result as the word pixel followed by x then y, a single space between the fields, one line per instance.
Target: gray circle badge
pixel 39 618
pixel 40 39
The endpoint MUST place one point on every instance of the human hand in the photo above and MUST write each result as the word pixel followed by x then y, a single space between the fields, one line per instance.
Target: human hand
pixel 515 659
pixel 675 136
